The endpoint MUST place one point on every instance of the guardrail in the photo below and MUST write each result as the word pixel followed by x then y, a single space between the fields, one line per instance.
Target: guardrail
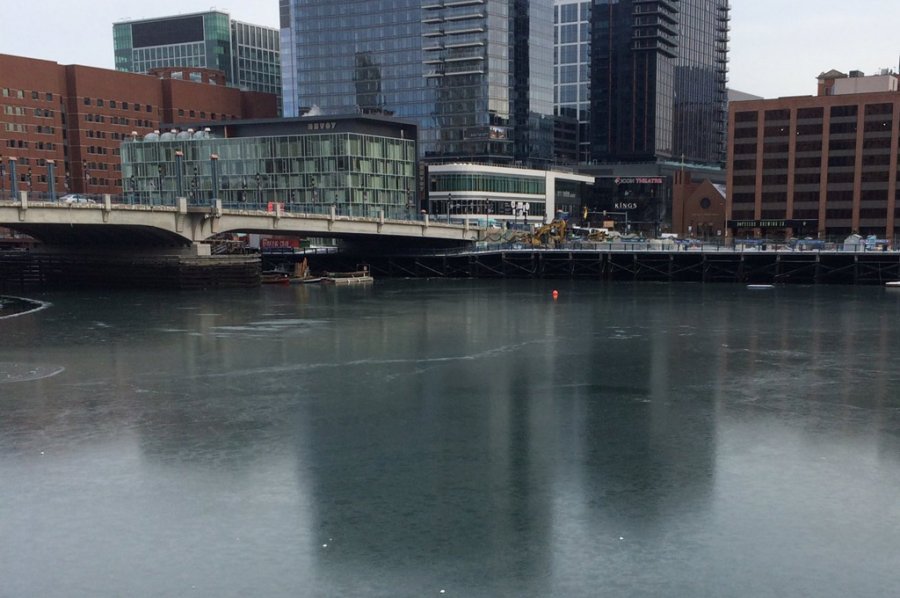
pixel 645 247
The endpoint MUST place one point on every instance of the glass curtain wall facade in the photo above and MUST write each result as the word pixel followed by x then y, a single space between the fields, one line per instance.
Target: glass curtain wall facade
pixel 463 70
pixel 572 68
pixel 255 51
pixel 200 40
pixel 247 54
pixel 357 174
pixel 658 75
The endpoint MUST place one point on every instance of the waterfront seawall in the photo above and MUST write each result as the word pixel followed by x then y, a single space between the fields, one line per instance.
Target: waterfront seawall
pixel 27 270
pixel 23 270
pixel 753 267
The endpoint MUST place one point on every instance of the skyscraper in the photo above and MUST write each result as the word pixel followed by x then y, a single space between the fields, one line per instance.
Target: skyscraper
pixel 247 54
pixel 645 78
pixel 475 75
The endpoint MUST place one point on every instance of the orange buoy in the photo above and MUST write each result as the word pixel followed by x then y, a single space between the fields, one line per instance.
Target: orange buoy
pixel 555 293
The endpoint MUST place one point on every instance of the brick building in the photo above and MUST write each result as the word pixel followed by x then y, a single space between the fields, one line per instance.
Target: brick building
pixel 822 166
pixel 698 208
pixel 75 118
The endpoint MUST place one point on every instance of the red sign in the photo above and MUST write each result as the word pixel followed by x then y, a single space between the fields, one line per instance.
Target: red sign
pixel 279 243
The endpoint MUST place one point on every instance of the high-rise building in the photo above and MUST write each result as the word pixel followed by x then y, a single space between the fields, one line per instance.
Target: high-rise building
pixel 247 54
pixel 646 79
pixel 475 75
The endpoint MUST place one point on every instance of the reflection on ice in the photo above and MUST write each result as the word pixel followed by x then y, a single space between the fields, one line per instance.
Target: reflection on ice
pixel 23 372
pixel 19 306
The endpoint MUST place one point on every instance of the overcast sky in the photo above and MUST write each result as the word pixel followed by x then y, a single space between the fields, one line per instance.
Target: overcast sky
pixel 778 47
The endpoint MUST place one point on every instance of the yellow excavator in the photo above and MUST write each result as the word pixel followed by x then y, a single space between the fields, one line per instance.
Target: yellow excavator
pixel 549 235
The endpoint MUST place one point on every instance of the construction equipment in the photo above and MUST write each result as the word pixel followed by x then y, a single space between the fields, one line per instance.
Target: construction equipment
pixel 549 235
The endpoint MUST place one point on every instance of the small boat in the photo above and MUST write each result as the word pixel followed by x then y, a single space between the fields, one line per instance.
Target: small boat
pixel 306 279
pixel 361 276
pixel 272 277
pixel 758 287
pixel 893 284
pixel 302 275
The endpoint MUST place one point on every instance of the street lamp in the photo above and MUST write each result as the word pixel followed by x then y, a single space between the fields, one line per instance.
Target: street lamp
pixel 51 179
pixel 161 170
pixel 85 175
pixel 13 179
pixel 179 174
pixel 132 184
pixel 214 170
pixel 195 184
pixel 449 202
pixel 2 175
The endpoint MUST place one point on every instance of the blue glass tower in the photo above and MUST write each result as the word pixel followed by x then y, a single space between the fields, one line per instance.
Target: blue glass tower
pixel 475 75
pixel 646 79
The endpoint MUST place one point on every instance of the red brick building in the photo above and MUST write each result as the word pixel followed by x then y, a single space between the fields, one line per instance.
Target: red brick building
pixel 77 117
pixel 698 208
pixel 822 166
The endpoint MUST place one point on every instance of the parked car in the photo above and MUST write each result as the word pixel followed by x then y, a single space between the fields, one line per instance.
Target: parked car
pixel 76 198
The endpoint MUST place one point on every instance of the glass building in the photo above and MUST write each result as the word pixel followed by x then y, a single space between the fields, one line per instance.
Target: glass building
pixel 359 166
pixel 247 54
pixel 475 75
pixel 503 194
pixel 646 79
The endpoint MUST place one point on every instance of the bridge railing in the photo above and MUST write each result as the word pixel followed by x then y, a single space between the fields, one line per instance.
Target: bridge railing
pixel 640 247
pixel 401 213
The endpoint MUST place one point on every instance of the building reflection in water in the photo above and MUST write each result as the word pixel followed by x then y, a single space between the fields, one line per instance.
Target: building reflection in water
pixel 416 433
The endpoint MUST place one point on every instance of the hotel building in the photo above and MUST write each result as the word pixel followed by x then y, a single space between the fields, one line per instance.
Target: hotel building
pixel 356 165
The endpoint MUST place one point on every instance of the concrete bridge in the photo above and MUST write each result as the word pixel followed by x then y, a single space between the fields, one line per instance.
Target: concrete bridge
pixel 111 223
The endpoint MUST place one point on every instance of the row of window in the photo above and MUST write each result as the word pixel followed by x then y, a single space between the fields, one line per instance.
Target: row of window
pixel 742 119
pixel 202 114
pixel 91 134
pixel 102 151
pixel 100 103
pixel 38 145
pixel 20 94
pixel 119 120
